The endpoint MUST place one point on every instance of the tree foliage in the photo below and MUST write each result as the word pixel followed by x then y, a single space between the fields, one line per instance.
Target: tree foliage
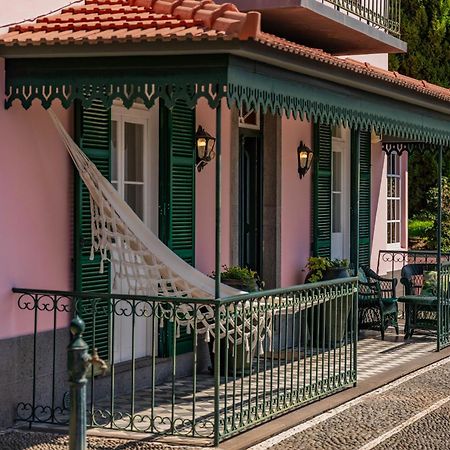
pixel 432 197
pixel 425 27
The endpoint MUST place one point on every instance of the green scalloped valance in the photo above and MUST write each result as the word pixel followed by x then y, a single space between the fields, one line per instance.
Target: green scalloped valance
pixel 240 81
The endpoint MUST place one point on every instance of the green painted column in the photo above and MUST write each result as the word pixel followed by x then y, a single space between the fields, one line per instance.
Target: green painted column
pixel 439 247
pixel 217 278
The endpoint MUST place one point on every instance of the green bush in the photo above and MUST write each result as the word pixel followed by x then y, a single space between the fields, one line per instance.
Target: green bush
pixel 432 198
pixel 419 227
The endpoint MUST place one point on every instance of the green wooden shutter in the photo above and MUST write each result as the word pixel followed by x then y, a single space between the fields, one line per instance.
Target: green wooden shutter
pixel 93 135
pixel 322 191
pixel 361 193
pixel 177 197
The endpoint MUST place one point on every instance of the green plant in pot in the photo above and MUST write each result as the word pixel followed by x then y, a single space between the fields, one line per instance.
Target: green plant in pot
pixel 335 314
pixel 244 279
pixel 322 268
pixel 241 278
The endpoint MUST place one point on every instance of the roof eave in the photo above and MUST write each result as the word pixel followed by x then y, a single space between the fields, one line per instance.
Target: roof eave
pixel 250 50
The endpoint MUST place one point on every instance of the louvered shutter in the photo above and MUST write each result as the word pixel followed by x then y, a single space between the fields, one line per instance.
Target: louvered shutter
pixel 361 193
pixel 322 191
pixel 93 135
pixel 177 197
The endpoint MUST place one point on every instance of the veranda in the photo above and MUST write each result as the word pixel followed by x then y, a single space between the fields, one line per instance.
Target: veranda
pixel 309 349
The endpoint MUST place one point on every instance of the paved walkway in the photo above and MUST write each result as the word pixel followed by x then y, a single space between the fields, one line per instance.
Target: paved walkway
pixel 19 440
pixel 411 413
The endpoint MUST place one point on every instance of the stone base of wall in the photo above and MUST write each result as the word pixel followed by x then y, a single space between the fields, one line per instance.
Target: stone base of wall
pixel 50 380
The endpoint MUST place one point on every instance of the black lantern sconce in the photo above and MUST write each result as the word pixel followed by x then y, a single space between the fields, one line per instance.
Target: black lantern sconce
pixel 304 159
pixel 204 145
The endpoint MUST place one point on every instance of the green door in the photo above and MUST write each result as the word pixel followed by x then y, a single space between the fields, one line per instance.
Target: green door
pixel 250 201
pixel 93 135
pixel 177 198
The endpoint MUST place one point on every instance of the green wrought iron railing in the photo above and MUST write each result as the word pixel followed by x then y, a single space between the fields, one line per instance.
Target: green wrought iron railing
pixel 278 350
pixel 444 307
pixel 394 260
pixel 382 14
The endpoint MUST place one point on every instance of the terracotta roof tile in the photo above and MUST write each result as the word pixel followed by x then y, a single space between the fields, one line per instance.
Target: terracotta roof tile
pixel 110 21
pixel 115 19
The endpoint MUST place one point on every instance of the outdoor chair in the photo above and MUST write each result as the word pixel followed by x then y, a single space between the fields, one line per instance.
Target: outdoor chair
pixel 420 307
pixel 377 302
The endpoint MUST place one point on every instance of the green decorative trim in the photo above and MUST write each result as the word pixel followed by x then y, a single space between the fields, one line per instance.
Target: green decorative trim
pixel 240 81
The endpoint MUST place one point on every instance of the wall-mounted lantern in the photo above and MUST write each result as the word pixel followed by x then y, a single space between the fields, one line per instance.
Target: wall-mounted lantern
pixel 304 159
pixel 204 145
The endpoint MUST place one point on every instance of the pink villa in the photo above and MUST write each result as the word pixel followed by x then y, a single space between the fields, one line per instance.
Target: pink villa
pixel 312 134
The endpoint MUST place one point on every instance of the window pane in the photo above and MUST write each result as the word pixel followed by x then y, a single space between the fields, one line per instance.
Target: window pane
pixel 337 182
pixel 114 161
pixel 134 152
pixel 135 198
pixel 337 213
pixel 397 187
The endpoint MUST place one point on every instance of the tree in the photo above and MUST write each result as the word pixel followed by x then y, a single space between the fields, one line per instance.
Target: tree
pixel 426 28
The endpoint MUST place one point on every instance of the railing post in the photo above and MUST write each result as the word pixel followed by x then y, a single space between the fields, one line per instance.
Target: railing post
pixel 78 362
pixel 77 365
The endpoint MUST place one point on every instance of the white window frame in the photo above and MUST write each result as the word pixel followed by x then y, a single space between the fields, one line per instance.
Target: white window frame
pixel 396 199
pixel 149 118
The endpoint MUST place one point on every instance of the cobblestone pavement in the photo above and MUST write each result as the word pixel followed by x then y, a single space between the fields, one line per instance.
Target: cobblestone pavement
pixel 413 414
pixel 19 440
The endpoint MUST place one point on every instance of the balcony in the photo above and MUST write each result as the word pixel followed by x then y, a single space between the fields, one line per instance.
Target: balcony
pixel 341 27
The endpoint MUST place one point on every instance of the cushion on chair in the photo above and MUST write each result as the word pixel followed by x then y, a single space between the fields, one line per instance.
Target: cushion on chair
pixel 362 277
pixel 389 300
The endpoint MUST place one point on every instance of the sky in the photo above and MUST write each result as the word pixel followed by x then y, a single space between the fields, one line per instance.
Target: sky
pixel 17 10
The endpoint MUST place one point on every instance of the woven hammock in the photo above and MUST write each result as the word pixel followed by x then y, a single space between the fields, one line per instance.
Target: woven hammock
pixel 145 266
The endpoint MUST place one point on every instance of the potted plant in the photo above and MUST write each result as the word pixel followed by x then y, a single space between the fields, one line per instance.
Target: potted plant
pixel 241 278
pixel 322 268
pixel 244 279
pixel 336 316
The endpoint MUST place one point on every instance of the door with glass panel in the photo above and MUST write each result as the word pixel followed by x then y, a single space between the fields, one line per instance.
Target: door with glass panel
pixel 340 194
pixel 134 175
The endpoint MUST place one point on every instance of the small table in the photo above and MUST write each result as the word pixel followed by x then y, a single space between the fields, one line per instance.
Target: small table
pixel 421 313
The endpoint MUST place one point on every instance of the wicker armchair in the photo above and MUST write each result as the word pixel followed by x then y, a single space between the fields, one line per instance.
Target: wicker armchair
pixel 377 302
pixel 421 310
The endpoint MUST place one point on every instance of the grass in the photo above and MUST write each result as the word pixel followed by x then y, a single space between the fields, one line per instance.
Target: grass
pixel 417 227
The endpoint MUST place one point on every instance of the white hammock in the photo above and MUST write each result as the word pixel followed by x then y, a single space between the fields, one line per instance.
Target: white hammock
pixel 145 266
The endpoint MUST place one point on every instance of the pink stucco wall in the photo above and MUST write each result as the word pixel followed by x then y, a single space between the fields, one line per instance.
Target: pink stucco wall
pixel 205 197
pixel 35 201
pixel 295 203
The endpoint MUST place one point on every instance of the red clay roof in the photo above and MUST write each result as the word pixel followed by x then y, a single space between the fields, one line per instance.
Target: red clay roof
pixel 109 21
pixel 135 20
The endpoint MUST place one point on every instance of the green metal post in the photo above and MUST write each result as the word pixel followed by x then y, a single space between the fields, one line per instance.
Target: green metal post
pixel 217 270
pixel 77 364
pixel 439 248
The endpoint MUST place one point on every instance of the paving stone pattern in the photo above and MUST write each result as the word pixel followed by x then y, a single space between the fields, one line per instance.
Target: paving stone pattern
pixel 18 440
pixel 364 422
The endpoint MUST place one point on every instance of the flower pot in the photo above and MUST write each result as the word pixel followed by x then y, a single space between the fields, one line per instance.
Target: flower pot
pixel 333 273
pixel 331 317
pixel 240 359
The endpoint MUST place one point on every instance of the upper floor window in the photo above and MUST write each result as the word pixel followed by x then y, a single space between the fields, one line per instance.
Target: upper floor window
pixel 393 199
